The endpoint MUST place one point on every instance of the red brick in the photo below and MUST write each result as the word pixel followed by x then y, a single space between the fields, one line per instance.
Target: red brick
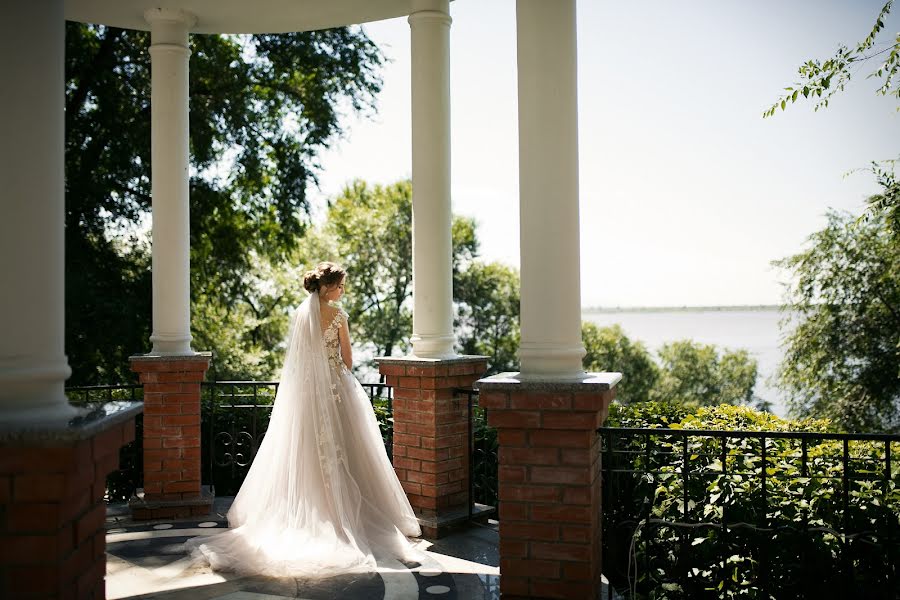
pixel 595 402
pixel 128 432
pixel 37 517
pixel 461 369
pixel 507 474
pixel 528 456
pixel 577 495
pixel 407 394
pixel 515 419
pixel 529 531
pixel 561 513
pixel 513 548
pixel 392 369
pixel 39 487
pixel 560 475
pixel 493 400
pixel 23 581
pixel 547 569
pixel 530 493
pixel 172 420
pixel 405 439
pixel 576 533
pixel 562 590
pixel 562 439
pixel 539 400
pixel 90 523
pixel 514 587
pixel 408 382
pixel 418 428
pixel 406 463
pixel 90 580
pixel 5 489
pixel 571 420
pixel 418 371
pixel 560 551
pixel 577 571
pixel 512 437
pixel 578 457
pixel 514 511
pixel 184 441
pixel 412 488
pixel 181 486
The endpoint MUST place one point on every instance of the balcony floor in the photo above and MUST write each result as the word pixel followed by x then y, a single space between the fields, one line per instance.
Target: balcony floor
pixel 146 559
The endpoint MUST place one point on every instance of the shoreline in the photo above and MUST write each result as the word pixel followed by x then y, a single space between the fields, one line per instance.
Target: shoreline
pixel 669 309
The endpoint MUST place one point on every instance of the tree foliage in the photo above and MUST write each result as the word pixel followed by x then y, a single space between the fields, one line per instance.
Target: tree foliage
pixel 609 349
pixel 704 375
pixel 487 296
pixel 368 230
pixel 262 107
pixel 820 80
pixel 842 358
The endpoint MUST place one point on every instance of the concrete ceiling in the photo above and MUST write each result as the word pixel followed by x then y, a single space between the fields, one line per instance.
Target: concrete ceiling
pixel 243 16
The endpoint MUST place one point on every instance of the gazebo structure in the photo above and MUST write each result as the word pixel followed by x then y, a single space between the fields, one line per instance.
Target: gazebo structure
pixel 52 468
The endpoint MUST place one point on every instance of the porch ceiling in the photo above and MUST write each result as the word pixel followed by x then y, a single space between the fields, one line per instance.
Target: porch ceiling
pixel 242 16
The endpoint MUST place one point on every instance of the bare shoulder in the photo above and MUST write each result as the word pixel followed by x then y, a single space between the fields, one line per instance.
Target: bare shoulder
pixel 328 313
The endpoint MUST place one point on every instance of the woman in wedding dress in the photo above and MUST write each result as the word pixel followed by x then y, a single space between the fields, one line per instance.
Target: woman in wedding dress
pixel 321 496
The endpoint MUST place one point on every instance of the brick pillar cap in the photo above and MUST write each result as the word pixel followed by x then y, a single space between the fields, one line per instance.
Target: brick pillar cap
pixel 196 356
pixel 407 360
pixel 515 382
pixel 86 425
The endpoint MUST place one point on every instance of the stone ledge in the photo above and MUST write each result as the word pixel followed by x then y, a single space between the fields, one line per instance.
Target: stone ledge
pixel 143 509
pixel 513 382
pixel 196 356
pixel 438 527
pixel 93 421
pixel 407 360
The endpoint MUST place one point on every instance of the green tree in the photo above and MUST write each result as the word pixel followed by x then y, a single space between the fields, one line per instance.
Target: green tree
pixel 262 107
pixel 609 349
pixel 704 375
pixel 842 358
pixel 487 323
pixel 368 230
pixel 820 80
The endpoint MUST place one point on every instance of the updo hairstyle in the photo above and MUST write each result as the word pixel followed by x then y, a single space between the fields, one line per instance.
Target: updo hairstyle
pixel 325 274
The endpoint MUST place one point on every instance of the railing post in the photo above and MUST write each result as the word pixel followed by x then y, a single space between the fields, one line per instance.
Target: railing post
pixel 549 482
pixel 172 451
pixel 430 447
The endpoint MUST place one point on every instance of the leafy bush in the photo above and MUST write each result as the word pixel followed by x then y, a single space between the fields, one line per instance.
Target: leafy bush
pixel 723 517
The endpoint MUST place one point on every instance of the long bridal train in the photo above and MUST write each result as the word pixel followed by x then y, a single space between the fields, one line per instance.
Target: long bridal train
pixel 321 496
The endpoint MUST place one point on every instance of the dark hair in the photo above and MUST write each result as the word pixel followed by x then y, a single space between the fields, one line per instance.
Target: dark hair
pixel 325 273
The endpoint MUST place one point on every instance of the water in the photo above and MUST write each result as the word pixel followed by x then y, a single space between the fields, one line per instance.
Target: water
pixel 753 330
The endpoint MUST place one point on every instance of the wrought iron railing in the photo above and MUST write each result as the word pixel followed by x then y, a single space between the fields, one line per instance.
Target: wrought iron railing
pixel 719 514
pixel 483 454
pixel 235 416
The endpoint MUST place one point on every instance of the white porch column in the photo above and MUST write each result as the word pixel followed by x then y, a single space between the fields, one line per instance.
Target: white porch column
pixel 33 364
pixel 432 260
pixel 170 163
pixel 548 190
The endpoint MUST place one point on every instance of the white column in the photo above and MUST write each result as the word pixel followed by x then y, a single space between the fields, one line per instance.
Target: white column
pixel 170 163
pixel 432 261
pixel 548 190
pixel 33 364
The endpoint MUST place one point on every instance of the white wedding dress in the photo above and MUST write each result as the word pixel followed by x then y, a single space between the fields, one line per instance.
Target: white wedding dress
pixel 321 496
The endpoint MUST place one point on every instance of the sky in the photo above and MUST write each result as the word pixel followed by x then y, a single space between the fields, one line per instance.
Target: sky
pixel 686 193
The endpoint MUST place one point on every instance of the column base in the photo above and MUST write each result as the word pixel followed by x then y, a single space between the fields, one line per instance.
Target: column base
pixel 431 424
pixel 549 482
pixel 144 509
pixel 52 488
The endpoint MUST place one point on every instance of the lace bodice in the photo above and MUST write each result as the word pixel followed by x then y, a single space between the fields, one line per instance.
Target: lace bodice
pixel 332 341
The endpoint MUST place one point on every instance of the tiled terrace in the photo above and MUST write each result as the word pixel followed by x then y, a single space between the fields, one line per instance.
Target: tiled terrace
pixel 146 559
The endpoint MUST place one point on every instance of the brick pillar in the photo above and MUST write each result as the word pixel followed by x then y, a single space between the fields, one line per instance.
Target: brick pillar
pixel 431 449
pixel 52 509
pixel 549 482
pixel 171 437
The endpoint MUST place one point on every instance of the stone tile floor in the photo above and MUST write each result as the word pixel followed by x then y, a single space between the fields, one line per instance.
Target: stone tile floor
pixel 147 560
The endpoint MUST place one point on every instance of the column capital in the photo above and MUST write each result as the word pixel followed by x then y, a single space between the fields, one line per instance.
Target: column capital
pixel 180 16
pixel 434 16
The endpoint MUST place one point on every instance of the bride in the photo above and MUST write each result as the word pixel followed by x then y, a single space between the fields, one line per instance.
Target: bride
pixel 321 496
